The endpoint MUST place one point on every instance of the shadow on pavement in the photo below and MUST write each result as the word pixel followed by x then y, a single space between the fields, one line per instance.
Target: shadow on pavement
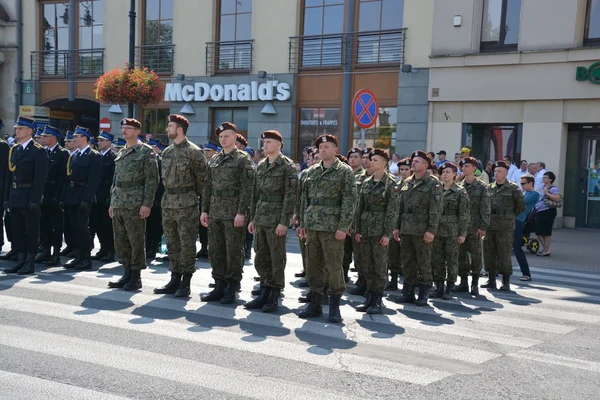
pixel 380 329
pixel 320 344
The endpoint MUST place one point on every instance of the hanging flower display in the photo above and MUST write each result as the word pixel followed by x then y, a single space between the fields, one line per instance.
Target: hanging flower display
pixel 121 85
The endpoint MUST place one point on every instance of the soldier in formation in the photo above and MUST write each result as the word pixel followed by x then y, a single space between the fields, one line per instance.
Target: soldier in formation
pixel 99 217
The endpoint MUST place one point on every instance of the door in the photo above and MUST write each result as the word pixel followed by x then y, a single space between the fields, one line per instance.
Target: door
pixel 592 181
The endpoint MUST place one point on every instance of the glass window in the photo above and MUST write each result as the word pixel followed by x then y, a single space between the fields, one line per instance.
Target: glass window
pixel 235 20
pixel 500 24
pixel 381 40
pixel 331 22
pixel 90 19
pixel 593 20
pixel 239 116
pixel 494 142
pixel 158 27
pixel 55 26
pixel 322 18
pixel 381 135
pixel 154 122
pixel 315 122
pixel 377 15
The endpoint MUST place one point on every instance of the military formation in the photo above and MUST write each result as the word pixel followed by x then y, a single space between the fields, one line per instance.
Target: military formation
pixel 429 225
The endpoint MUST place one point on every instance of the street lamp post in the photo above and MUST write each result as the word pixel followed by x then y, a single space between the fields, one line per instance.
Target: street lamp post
pixel 131 47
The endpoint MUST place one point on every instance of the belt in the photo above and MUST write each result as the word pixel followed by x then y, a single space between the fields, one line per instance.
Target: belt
pixel 225 193
pixel 375 208
pixel 416 211
pixel 325 202
pixel 502 212
pixel 270 199
pixel 73 184
pixel 21 186
pixel 129 184
pixel 181 190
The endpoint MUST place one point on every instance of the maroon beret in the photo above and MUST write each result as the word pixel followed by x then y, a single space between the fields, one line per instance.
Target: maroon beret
pixel 271 135
pixel 366 150
pixel 242 140
pixel 226 126
pixel 420 154
pixel 468 160
pixel 131 122
pixel 500 164
pixel 379 152
pixel 179 119
pixel 342 158
pixel 432 167
pixel 445 165
pixel 404 161
pixel 326 139
pixel 354 150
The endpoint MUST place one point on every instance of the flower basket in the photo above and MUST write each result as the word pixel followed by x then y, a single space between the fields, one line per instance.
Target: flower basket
pixel 138 86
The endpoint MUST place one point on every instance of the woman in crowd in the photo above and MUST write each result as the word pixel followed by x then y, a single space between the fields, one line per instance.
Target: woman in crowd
pixel 546 213
pixel 527 182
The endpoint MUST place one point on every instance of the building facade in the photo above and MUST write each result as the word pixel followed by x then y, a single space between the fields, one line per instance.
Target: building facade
pixel 521 78
pixel 8 62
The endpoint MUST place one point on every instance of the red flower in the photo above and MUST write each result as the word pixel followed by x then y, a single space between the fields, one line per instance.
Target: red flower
pixel 137 86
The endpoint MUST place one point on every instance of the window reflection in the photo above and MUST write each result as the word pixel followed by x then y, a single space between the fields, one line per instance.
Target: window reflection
pixel 315 122
pixel 593 19
pixel 501 22
pixel 236 20
pixel 383 134
pixel 322 17
pixel 239 116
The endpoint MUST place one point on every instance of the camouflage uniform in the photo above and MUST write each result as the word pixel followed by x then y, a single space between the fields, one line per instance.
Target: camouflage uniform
pixel 227 192
pixel 394 255
pixel 328 204
pixel 360 175
pixel 350 245
pixel 301 240
pixel 134 183
pixel 479 207
pixel 453 223
pixel 375 218
pixel 506 202
pixel 183 171
pixel 273 201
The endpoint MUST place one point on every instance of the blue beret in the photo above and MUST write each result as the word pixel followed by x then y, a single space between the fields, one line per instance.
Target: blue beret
pixel 80 130
pixel 27 122
pixel 106 136
pixel 51 131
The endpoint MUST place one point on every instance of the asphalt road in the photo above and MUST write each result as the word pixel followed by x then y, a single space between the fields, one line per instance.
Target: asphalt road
pixel 64 335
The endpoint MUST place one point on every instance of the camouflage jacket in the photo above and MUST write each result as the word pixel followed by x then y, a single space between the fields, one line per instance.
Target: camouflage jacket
pixel 421 205
pixel 506 202
pixel 456 215
pixel 275 192
pixel 136 177
pixel 479 199
pixel 328 198
pixel 301 180
pixel 183 172
pixel 229 185
pixel 377 207
pixel 359 171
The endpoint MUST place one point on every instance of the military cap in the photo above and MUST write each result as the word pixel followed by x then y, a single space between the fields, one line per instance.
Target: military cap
pixel 212 146
pixel 51 131
pixel 120 142
pixel 445 165
pixel 26 122
pixel 226 126
pixel 179 119
pixel 80 130
pixel 250 151
pixel 420 154
pixel 379 152
pixel 153 142
pixel 468 160
pixel 366 150
pixel 131 122
pixel 354 150
pixel 271 135
pixel 106 136
pixel 69 136
pixel 241 140
pixel 404 161
pixel 93 140
pixel 326 139
pixel 342 158
pixel 500 164
pixel 39 131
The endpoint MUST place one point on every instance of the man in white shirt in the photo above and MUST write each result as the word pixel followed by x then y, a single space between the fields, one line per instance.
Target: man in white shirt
pixel 520 172
pixel 539 177
pixel 512 170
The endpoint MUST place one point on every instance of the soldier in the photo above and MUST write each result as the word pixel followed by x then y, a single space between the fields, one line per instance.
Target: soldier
pixel 69 250
pixel 375 222
pixel 419 216
pixel 52 216
pixel 154 229
pixel 310 151
pixel 240 142
pixel 350 244
pixel 273 201
pixel 210 149
pixel 225 206
pixel 28 165
pixel 365 158
pixel 394 254
pixel 131 197
pixel 183 172
pixel 479 221
pixel 84 169
pixel 328 204
pixel 4 149
pixel 100 217
pixel 452 232
pixel 506 202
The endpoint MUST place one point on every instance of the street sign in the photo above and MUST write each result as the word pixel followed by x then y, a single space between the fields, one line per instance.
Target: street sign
pixel 105 125
pixel 365 108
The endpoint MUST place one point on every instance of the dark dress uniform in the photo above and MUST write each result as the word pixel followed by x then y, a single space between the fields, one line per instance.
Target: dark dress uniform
pixel 83 177
pixel 3 171
pixel 99 217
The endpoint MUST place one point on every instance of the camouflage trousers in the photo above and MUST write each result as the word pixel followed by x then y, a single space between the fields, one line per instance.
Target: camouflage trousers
pixel 302 244
pixel 394 257
pixel 356 249
pixel 416 259
pixel 497 248
pixel 270 257
pixel 180 226
pixel 374 263
pixel 347 260
pixel 324 262
pixel 130 237
pixel 470 265
pixel 226 249
pixel 444 258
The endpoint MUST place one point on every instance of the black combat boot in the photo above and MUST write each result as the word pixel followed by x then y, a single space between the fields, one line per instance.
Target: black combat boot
pixel 376 305
pixel 335 317
pixel 230 295
pixel 172 286
pixel 366 304
pixel 29 267
pixel 86 262
pixel 505 283
pixel 438 292
pixel 15 268
pixel 9 255
pixel 257 291
pixel 422 300
pixel 393 283
pixel 217 293
pixel 261 300
pixel 109 257
pixel 121 282
pixel 305 299
pixel 475 286
pixel 463 286
pixel 203 253
pixel 448 292
pixel 184 289
pixel 98 256
pixel 300 274
pixel 491 283
pixel 273 302
pixel 346 268
pixel 314 308
pixel 44 255
pixel 361 287
pixel 71 264
pixel 135 281
pixel 408 294
pixel 55 258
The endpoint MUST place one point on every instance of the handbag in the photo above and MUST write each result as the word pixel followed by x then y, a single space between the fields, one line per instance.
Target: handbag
pixel 554 204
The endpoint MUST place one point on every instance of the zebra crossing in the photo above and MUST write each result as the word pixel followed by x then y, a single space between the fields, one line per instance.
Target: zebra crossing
pixel 229 352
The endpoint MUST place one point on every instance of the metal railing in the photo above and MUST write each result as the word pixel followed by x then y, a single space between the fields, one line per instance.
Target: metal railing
pixel 55 63
pixel 158 58
pixel 234 56
pixel 379 47
pixel 316 51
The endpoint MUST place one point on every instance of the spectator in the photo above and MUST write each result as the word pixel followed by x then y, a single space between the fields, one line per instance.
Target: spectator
pixel 431 155
pixel 522 171
pixel 441 157
pixel 489 170
pixel 393 164
pixel 532 169
pixel 531 198
pixel 512 170
pixel 456 157
pixel 546 212
pixel 539 177
pixel 467 151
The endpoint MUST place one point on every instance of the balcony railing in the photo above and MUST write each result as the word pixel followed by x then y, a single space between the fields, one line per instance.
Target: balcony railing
pixel 56 63
pixel 316 51
pixel 158 58
pixel 235 56
pixel 379 47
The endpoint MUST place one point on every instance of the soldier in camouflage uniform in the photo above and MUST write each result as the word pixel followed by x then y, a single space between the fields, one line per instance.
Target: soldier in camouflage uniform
pixel 421 205
pixel 273 201
pixel 131 197
pixel 355 162
pixel 374 224
pixel 506 202
pixel 326 212
pixel 479 221
pixel 451 232
pixel 225 206
pixel 394 254
pixel 301 240
pixel 183 171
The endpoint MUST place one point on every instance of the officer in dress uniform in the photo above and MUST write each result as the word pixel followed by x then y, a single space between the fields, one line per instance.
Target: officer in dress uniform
pixel 99 217
pixel 154 230
pixel 52 216
pixel 28 165
pixel 84 170
pixel 3 171
pixel 69 250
